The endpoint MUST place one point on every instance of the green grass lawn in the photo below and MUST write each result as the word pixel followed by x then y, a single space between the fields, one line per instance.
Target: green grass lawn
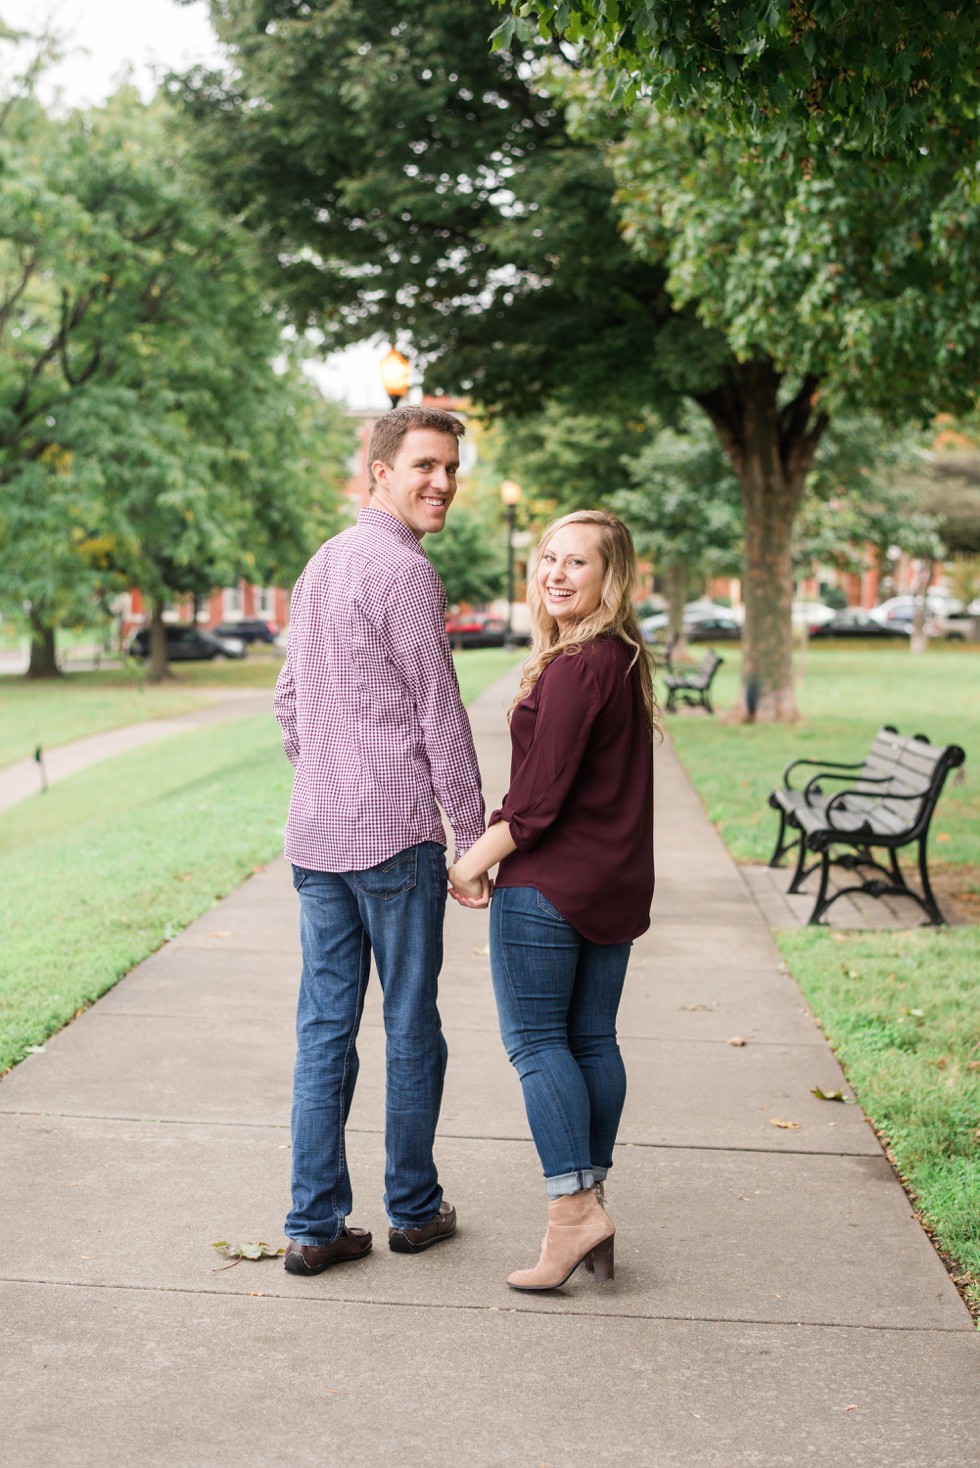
pixel 96 874
pixel 845 697
pixel 51 713
pixel 106 866
pixel 79 704
pixel 900 1009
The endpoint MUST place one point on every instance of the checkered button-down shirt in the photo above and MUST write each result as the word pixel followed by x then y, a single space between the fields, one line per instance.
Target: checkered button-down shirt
pixel 369 705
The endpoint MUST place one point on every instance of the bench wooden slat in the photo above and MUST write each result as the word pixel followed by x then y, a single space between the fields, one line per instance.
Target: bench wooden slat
pixel 885 802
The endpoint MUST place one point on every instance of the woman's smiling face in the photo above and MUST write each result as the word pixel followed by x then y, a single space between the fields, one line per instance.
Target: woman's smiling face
pixel 570 573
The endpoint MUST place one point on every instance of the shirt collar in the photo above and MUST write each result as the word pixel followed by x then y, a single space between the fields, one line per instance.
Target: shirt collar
pixel 390 524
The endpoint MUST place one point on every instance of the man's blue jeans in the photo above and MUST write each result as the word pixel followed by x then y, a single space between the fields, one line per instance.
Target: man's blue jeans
pixel 557 997
pixel 397 910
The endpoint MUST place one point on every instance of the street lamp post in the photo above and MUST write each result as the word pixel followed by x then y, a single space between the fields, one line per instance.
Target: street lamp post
pixel 396 374
pixel 510 493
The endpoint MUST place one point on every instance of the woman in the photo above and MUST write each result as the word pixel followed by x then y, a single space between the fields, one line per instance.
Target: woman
pixel 574 838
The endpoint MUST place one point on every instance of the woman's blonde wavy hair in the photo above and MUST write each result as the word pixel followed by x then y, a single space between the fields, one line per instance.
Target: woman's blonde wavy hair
pixel 614 616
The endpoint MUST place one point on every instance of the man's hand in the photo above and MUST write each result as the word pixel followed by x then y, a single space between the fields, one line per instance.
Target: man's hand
pixel 474 893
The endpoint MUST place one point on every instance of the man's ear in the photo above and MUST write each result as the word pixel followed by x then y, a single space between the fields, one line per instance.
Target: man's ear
pixel 379 472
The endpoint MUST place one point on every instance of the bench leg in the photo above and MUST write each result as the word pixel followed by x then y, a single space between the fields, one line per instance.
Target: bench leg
pixel 928 899
pixel 782 845
pixel 802 870
pixel 821 904
pixel 889 885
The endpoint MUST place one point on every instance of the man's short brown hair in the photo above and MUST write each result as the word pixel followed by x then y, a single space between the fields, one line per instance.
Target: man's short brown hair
pixel 391 428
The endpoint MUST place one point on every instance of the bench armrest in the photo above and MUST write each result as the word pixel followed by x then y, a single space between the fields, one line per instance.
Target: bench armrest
pixel 819 764
pixel 836 801
pixel 855 788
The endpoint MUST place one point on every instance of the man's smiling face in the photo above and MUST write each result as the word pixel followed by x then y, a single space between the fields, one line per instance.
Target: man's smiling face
pixel 420 485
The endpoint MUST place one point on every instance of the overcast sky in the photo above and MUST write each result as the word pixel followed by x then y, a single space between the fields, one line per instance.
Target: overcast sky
pixel 105 38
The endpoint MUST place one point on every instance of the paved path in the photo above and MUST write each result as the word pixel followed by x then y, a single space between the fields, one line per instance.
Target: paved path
pixel 775 1303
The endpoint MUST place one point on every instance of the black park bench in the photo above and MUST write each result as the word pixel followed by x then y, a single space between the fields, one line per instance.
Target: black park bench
pixel 694 687
pixel 882 803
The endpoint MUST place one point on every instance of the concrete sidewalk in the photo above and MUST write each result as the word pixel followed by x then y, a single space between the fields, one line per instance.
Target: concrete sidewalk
pixel 775 1303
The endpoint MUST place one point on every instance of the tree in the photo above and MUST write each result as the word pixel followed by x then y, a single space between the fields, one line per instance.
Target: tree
pixel 683 509
pixel 876 76
pixel 564 458
pixel 466 214
pixel 147 437
pixel 833 291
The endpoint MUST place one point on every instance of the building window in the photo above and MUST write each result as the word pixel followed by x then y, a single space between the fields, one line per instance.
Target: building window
pixel 265 602
pixel 233 603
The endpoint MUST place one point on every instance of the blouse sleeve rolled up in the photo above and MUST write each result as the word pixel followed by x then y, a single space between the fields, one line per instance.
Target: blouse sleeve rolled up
pixel 568 703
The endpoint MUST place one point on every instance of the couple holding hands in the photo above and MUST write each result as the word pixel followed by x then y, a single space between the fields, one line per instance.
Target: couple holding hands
pixel 372 721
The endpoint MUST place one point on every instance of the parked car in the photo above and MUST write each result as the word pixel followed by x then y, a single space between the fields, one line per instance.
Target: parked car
pixel 901 609
pixel 475 629
pixel 250 629
pixel 704 621
pixel 188 645
pixel 720 628
pixel 697 611
pixel 811 614
pixel 954 626
pixel 654 627
pixel 854 622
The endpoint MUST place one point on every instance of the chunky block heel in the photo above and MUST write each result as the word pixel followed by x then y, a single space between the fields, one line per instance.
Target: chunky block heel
pixel 600 1261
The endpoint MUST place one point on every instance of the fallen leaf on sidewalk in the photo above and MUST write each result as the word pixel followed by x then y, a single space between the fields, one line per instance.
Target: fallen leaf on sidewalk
pixel 697 1008
pixel 237 1252
pixel 221 935
pixel 851 1407
pixel 735 1040
pixel 789 1126
pixel 823 1095
pixel 482 952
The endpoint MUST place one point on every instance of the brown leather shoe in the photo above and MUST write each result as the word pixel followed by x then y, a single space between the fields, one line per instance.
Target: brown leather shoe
pixel 351 1243
pixel 414 1240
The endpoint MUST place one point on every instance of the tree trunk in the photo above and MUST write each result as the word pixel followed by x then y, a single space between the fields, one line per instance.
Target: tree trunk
pixel 918 639
pixel 768 695
pixel 159 671
pixel 676 579
pixel 44 662
pixel 771 449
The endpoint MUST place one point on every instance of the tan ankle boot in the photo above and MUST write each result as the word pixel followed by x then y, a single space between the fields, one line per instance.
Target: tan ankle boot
pixel 578 1228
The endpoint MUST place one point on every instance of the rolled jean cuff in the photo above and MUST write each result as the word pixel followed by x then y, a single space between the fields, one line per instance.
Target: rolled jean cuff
pixel 599 1174
pixel 569 1182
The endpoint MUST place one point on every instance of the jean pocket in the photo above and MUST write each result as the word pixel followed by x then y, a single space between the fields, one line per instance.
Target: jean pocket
pixel 549 908
pixel 389 878
pixel 300 875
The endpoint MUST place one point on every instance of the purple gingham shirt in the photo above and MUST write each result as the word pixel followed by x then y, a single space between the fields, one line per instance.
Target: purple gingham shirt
pixel 369 705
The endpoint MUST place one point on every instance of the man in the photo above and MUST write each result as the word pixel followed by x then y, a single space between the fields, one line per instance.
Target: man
pixel 372 721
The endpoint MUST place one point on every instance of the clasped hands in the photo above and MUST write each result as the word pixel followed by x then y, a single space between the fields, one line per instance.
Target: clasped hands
pixel 475 892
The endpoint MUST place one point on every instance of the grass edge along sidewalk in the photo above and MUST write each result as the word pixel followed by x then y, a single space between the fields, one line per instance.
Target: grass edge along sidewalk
pixel 111 863
pixel 899 1008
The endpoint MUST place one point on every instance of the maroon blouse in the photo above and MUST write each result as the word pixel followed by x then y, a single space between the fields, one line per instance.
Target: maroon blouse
pixel 580 803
